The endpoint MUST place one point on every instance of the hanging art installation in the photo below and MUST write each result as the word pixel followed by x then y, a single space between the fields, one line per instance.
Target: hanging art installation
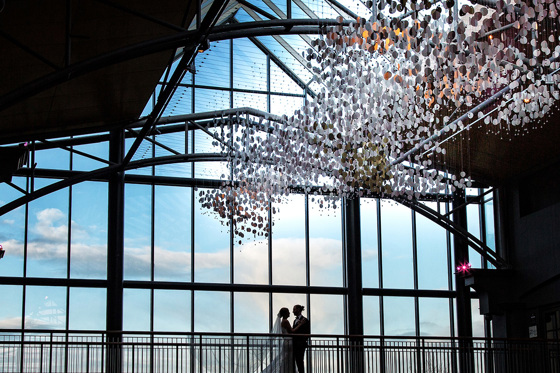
pixel 395 88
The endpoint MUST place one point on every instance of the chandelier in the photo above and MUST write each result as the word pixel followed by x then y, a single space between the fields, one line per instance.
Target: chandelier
pixel 394 91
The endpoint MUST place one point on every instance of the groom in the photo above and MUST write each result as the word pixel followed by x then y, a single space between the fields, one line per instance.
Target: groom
pixel 300 342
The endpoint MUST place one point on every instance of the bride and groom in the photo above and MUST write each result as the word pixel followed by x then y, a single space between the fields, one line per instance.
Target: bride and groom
pixel 291 351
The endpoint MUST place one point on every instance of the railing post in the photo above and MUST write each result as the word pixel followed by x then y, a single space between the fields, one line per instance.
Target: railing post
pixel 51 352
pixel 248 370
pixel 200 351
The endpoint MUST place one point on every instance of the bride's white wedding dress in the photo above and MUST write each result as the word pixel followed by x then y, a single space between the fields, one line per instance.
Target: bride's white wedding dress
pixel 282 361
pixel 268 354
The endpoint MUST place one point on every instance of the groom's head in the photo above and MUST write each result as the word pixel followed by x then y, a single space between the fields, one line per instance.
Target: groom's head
pixel 297 310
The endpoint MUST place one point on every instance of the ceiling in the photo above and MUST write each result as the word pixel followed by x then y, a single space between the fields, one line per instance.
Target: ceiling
pixel 74 67
pixel 71 67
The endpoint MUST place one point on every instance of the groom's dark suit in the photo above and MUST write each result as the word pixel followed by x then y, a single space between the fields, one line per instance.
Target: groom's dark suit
pixel 300 342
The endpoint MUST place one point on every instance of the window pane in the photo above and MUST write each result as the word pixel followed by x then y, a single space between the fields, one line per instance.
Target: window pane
pixel 251 313
pixel 181 102
pixel 52 158
pixel 325 243
pixel 212 67
pixel 287 105
pixel 47 247
pixel 396 235
pixel 172 310
pixel 399 316
pixel 45 307
pixel 87 309
pixel 136 309
pixel 489 220
pixel 172 233
pixel 473 226
pixel 288 241
pixel 212 246
pixel 11 298
pixel 368 235
pixel 432 253
pixel 434 317
pixel 12 229
pixel 88 252
pixel 372 322
pixel 248 61
pixel 326 315
pixel 211 311
pixel 137 231
pixel 251 261
pixel 289 301
pixel 282 83
pixel 253 100
pixel 83 163
pixel 145 150
pixel 477 319
pixel 210 100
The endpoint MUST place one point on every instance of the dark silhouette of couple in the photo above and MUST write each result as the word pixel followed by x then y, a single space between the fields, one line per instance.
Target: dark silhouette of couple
pixel 300 325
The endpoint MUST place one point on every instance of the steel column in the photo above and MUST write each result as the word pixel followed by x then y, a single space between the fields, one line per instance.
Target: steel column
pixel 464 317
pixel 115 252
pixel 353 262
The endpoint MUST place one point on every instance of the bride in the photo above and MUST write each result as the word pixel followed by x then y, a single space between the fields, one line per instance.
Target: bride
pixel 273 354
pixel 283 361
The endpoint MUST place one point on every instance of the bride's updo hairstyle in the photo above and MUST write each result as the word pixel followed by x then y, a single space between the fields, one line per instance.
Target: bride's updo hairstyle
pixel 284 312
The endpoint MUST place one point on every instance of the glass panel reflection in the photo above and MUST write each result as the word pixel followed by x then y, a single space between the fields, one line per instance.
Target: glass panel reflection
pixel 325 243
pixel 251 313
pixel 432 253
pixel 368 236
pixel 136 309
pixel 212 246
pixel 47 246
pixel 399 316
pixel 87 309
pixel 11 298
pixel 372 321
pixel 137 232
pixel 88 251
pixel 172 310
pixel 326 314
pixel 434 317
pixel 288 242
pixel 45 307
pixel 396 235
pixel 211 311
pixel 12 230
pixel 172 233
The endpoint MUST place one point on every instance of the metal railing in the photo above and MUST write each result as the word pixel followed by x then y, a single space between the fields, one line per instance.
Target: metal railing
pixel 99 352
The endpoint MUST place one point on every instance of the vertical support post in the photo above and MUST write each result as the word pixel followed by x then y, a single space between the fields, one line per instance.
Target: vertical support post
pixel 288 9
pixel 115 254
pixel 353 261
pixel 464 317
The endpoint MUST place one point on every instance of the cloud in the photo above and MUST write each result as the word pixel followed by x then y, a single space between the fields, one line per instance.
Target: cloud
pixel 430 328
pixel 10 323
pixel 30 323
pixel 251 259
pixel 8 221
pixel 45 228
